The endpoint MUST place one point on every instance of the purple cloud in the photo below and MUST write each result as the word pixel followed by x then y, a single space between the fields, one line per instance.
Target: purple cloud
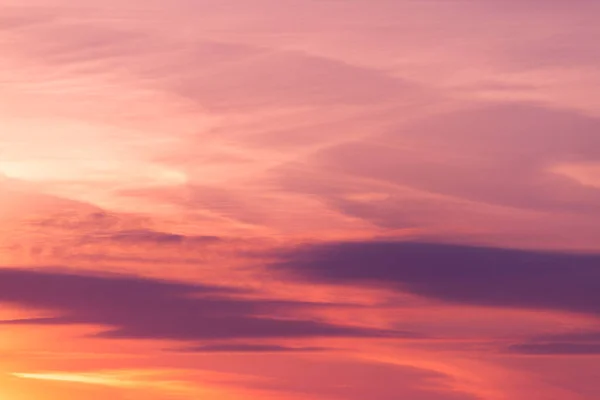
pixel 483 276
pixel 251 348
pixel 133 307
pixel 556 348
pixel 156 237
pixel 573 343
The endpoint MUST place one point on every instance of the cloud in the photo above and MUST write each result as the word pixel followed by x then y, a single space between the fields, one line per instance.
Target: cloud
pixel 556 348
pixel 156 237
pixel 495 153
pixel 251 348
pixel 572 343
pixel 215 74
pixel 479 276
pixel 512 174
pixel 589 336
pixel 133 307
pixel 348 379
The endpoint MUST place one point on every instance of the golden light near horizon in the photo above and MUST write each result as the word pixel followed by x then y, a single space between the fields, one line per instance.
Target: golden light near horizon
pixel 76 378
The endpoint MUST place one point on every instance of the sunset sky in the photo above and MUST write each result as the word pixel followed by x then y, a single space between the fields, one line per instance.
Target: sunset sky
pixel 299 199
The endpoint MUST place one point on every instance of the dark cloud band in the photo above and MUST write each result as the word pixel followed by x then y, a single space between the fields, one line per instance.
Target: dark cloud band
pixel 476 276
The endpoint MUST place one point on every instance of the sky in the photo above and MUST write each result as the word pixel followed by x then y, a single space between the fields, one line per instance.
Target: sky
pixel 299 200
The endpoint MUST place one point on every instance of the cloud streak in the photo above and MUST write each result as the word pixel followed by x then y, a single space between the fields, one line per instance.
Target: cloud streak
pixel 479 276
pixel 144 308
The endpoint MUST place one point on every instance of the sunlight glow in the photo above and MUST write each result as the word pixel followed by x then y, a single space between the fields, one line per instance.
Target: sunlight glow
pixel 94 379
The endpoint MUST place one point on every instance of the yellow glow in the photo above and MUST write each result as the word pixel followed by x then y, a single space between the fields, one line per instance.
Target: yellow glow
pixel 94 379
pixel 158 381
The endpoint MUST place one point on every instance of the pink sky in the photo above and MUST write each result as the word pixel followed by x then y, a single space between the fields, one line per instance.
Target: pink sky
pixel 299 199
